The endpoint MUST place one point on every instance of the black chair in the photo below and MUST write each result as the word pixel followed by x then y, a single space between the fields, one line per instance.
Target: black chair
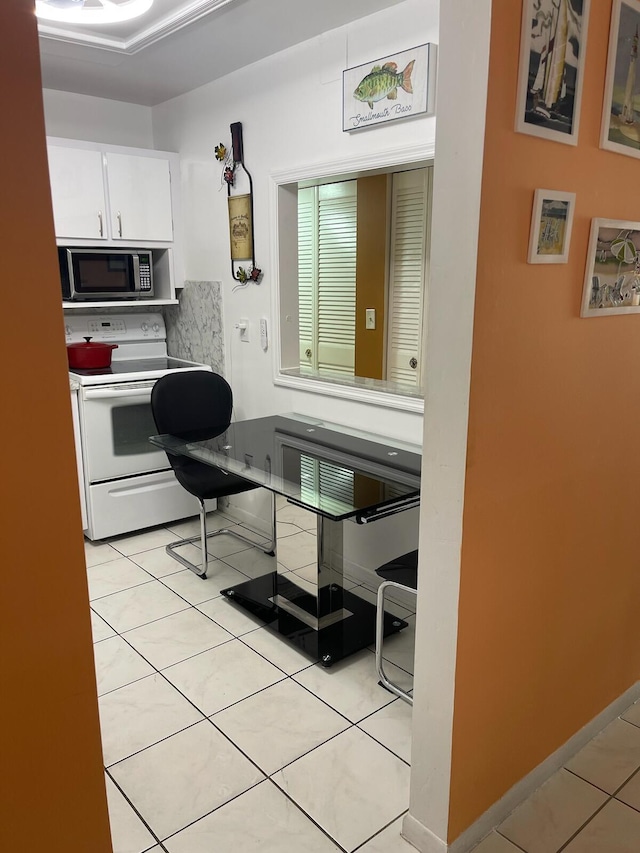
pixel 197 405
pixel 401 573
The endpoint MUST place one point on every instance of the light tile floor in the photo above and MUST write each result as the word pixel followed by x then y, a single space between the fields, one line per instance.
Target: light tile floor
pixel 219 736
pixel 592 805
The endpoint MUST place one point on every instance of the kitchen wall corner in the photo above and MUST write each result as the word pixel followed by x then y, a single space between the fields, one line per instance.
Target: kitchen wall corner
pixel 194 326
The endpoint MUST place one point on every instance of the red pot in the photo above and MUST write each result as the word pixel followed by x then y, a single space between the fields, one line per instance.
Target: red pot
pixel 90 355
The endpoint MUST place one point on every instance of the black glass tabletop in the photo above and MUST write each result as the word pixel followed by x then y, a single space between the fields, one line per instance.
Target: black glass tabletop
pixel 324 467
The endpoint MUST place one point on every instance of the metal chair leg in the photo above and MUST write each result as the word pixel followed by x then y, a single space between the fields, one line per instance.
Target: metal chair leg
pixel 384 680
pixel 201 570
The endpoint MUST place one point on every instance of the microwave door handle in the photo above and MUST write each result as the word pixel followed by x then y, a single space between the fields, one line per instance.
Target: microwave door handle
pixel 136 273
pixel 69 269
pixel 113 393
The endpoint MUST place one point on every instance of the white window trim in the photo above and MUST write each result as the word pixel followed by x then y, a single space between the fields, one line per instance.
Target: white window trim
pixel 349 167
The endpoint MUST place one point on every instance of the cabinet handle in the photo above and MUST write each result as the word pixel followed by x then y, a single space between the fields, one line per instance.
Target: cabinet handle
pixel 100 226
pixel 119 217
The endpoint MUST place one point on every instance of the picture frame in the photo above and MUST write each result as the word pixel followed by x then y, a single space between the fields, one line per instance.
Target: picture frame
pixel 621 110
pixel 612 275
pixel 551 226
pixel 395 87
pixel 553 43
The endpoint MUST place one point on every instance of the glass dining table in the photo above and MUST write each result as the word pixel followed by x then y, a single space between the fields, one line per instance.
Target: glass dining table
pixel 324 475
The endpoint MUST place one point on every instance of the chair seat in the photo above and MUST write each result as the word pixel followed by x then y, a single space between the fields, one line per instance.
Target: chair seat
pixel 206 482
pixel 402 570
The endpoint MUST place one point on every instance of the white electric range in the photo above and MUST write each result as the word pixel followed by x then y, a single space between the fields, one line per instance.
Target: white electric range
pixel 127 483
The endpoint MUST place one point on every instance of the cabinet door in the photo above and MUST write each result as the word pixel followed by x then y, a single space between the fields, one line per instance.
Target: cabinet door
pixel 139 197
pixel 77 193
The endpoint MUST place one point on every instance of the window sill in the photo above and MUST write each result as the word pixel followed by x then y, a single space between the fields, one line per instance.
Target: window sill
pixel 374 392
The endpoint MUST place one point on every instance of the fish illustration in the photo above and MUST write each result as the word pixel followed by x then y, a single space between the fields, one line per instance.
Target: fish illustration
pixel 382 82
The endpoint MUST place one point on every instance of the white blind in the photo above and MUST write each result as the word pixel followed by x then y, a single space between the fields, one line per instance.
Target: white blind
pixel 327 222
pixel 409 238
pixel 307 269
pixel 332 482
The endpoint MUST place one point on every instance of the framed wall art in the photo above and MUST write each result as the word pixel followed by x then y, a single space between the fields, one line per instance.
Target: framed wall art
pixel 398 86
pixel 621 113
pixel 552 49
pixel 612 277
pixel 551 224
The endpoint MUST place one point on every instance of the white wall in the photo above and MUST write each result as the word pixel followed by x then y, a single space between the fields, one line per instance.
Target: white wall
pixel 75 116
pixel 290 107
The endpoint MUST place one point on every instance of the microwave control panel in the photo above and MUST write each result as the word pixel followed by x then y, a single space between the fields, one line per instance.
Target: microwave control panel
pixel 144 264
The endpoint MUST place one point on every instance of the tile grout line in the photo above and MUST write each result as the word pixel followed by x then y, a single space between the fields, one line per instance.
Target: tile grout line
pixel 388 748
pixel 609 796
pixel 502 835
pixel 624 785
pixel 126 797
pixel 376 834
pixel 214 810
pixel 308 816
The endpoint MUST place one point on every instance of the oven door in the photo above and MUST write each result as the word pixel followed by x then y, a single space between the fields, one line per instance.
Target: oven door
pixel 116 425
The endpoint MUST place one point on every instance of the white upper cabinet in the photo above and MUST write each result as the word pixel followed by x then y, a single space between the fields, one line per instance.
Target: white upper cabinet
pixel 77 191
pixel 139 198
pixel 112 194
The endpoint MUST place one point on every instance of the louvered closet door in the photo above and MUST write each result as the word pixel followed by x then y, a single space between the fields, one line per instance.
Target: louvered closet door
pixel 327 277
pixel 337 225
pixel 407 274
pixel 307 275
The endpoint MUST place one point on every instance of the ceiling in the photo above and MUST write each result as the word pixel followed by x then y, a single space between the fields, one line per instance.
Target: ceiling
pixel 182 44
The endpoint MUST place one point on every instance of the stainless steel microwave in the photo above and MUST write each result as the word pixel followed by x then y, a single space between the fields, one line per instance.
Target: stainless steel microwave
pixel 92 274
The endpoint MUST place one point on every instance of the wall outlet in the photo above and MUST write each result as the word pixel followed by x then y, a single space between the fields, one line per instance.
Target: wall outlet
pixel 370 318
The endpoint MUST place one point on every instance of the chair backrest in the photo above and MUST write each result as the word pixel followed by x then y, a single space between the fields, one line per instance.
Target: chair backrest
pixel 192 404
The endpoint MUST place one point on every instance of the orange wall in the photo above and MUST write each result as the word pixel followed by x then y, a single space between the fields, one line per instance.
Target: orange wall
pixel 53 786
pixel 371 253
pixel 550 586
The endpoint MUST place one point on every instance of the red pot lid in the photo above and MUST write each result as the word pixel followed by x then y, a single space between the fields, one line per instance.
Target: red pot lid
pixel 89 344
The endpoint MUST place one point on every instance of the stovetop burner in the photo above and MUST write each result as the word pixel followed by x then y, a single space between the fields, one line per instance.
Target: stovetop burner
pixel 136 365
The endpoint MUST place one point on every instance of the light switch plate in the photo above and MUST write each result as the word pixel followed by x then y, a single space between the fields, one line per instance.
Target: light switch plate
pixel 370 318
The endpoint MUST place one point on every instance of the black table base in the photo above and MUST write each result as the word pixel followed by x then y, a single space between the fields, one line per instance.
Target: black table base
pixel 330 643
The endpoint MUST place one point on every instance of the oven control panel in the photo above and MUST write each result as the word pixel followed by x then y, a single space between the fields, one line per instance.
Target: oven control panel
pixel 115 327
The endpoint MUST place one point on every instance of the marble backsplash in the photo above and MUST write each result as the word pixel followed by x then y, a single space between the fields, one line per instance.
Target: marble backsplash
pixel 194 327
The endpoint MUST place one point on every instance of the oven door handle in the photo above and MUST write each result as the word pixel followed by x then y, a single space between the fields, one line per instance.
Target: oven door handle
pixel 113 393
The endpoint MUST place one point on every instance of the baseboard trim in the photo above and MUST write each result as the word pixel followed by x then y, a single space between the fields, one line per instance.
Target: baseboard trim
pixel 420 837
pixel 425 841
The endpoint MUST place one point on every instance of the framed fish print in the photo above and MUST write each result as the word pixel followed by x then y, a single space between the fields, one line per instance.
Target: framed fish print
pixel 621 113
pixel 612 276
pixel 551 226
pixel 552 50
pixel 398 86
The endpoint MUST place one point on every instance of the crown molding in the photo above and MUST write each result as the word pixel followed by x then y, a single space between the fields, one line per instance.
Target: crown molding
pixel 163 27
